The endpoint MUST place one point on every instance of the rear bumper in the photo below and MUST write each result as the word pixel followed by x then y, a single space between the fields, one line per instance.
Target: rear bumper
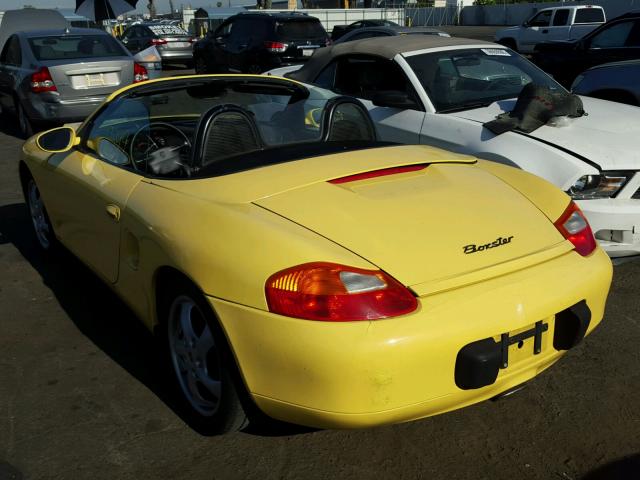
pixel 55 108
pixel 358 374
pixel 181 55
pixel 615 223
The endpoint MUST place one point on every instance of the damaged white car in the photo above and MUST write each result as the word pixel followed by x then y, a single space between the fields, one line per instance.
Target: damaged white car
pixel 447 92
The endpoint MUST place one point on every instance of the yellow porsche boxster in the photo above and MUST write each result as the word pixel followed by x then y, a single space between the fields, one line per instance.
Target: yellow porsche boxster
pixel 293 266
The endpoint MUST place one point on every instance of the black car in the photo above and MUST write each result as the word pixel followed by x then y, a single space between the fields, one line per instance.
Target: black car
pixel 340 30
pixel 616 40
pixel 174 44
pixel 257 42
pixel 370 32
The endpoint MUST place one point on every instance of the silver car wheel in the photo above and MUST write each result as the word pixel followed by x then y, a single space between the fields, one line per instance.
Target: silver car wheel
pixel 38 216
pixel 194 356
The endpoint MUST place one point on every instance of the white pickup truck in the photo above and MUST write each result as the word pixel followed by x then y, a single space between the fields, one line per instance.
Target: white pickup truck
pixel 552 25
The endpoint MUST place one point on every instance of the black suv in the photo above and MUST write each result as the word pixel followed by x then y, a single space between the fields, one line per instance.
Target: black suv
pixel 257 42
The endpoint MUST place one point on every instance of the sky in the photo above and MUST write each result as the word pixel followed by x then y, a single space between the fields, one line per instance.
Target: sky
pixel 162 6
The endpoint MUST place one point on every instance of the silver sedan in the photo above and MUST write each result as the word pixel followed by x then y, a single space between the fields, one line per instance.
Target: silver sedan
pixel 61 75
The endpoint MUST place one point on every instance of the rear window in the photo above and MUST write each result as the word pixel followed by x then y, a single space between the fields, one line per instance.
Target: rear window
pixel 589 15
pixel 301 29
pixel 167 30
pixel 75 46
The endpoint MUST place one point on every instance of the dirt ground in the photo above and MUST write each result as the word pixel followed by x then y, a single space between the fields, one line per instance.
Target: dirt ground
pixel 79 397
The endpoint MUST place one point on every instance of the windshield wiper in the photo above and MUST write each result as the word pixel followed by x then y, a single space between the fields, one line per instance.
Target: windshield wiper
pixel 466 106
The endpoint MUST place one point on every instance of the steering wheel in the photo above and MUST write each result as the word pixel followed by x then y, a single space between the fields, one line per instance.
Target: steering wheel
pixel 151 149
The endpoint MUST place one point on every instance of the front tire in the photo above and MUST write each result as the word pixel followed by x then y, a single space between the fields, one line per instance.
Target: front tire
pixel 39 217
pixel 201 363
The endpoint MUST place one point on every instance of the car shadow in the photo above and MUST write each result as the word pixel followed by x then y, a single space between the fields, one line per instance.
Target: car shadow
pixel 113 327
pixel 627 468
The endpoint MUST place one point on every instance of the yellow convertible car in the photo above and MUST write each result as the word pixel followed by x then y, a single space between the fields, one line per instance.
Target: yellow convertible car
pixel 295 267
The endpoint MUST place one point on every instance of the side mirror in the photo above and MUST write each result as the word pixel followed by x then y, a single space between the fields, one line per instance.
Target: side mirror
pixel 394 99
pixel 526 24
pixel 110 152
pixel 57 140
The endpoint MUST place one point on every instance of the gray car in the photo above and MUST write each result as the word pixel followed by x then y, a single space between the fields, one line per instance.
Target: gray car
pixel 618 82
pixel 173 43
pixel 61 75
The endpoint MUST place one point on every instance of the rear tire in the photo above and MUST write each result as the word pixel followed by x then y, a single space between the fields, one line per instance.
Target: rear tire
pixel 200 363
pixel 25 127
pixel 200 66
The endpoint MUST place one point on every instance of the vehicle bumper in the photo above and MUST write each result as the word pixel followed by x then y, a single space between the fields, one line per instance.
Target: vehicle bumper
pixel 54 108
pixel 176 55
pixel 359 374
pixel 615 224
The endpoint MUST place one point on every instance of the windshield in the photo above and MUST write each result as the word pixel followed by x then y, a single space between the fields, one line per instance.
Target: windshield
pixel 65 47
pixel 463 79
pixel 181 128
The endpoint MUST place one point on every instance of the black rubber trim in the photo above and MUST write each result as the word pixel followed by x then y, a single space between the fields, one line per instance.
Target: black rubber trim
pixel 571 326
pixel 565 150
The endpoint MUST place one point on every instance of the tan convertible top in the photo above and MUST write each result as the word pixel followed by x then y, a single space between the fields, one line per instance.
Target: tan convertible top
pixel 386 47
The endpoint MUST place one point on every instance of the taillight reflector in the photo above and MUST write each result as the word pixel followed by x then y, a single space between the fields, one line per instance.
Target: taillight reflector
pixel 41 81
pixel 158 41
pixel 275 47
pixel 140 73
pixel 573 225
pixel 378 173
pixel 337 293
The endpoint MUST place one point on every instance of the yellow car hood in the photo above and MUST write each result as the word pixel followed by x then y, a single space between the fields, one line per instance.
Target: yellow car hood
pixel 443 221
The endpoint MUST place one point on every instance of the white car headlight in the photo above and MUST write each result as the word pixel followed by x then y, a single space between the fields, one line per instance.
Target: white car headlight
pixel 605 185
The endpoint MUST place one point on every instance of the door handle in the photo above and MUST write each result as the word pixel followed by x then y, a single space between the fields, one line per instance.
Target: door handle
pixel 545 31
pixel 113 211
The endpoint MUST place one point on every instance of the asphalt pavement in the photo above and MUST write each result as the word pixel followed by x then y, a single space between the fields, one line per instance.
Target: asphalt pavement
pixel 80 396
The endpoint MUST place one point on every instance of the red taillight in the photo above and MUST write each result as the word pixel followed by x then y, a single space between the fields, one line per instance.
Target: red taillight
pixel 337 293
pixel 140 73
pixel 41 81
pixel 378 173
pixel 158 41
pixel 275 47
pixel 573 225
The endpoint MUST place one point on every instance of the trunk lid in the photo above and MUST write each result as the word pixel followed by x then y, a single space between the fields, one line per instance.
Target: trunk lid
pixel 90 78
pixel 418 225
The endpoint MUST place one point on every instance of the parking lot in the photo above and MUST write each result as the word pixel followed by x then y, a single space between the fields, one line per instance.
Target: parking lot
pixel 79 398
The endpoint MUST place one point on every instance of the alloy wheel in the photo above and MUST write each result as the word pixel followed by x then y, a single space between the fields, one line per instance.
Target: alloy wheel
pixel 194 356
pixel 38 215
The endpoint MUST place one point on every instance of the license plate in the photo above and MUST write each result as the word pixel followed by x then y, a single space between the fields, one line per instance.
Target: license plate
pixel 519 341
pixel 307 52
pixel 178 44
pixel 95 80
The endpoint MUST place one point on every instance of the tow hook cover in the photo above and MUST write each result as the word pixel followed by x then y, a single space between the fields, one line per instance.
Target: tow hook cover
pixel 477 364
pixel 571 326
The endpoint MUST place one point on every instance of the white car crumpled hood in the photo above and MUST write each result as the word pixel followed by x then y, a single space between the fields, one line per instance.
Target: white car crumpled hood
pixel 609 135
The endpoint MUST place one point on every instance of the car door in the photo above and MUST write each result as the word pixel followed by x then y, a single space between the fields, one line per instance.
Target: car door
pixel 218 53
pixel 238 44
pixel 559 28
pixel 536 31
pixel 86 195
pixel 11 72
pixel 366 77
